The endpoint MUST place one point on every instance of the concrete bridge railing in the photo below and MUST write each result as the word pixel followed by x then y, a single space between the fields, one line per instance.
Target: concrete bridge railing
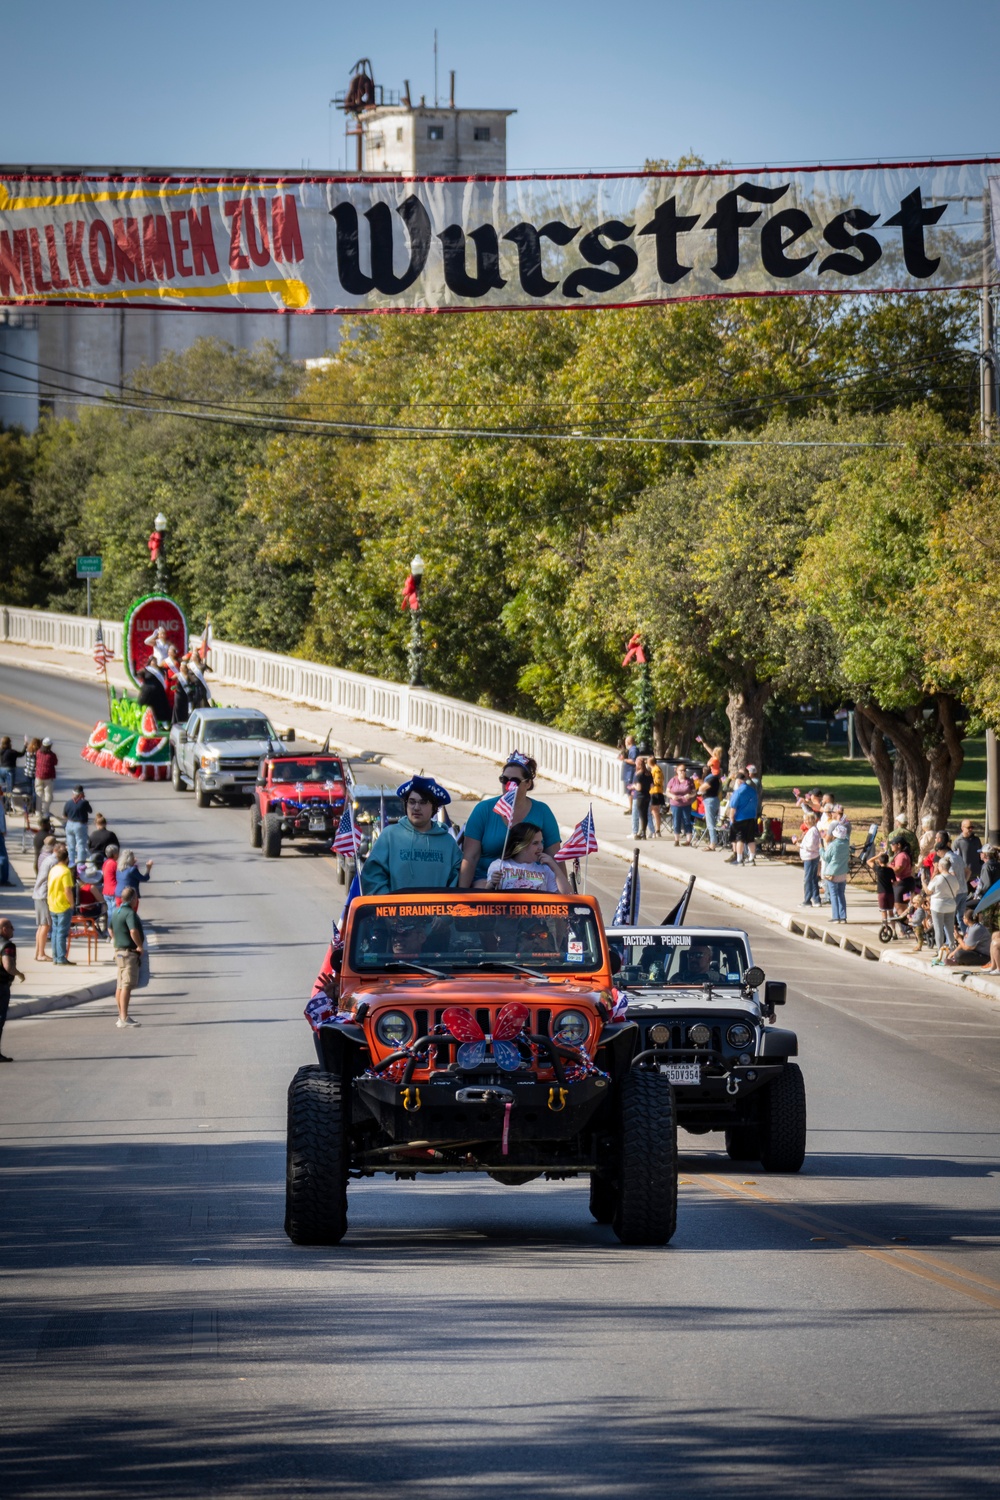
pixel 563 758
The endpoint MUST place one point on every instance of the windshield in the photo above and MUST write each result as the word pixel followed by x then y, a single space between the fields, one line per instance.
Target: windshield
pixel 238 729
pixel 313 772
pixel 654 959
pixel 554 938
pixel 368 809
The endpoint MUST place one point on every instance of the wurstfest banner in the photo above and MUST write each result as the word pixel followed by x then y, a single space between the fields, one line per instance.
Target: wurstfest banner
pixel 334 244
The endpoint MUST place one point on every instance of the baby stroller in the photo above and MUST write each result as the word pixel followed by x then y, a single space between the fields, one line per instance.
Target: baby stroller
pixel 894 927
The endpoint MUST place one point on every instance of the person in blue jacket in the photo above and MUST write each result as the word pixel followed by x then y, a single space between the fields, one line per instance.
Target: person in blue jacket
pixel 744 809
pixel 416 853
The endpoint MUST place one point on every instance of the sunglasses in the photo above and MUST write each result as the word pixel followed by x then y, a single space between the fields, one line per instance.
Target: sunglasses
pixel 517 780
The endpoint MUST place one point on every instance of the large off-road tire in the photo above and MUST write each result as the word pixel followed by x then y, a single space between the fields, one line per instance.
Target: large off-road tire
pixel 202 797
pixel 256 834
pixel 743 1143
pixel 646 1211
pixel 603 1199
pixel 783 1122
pixel 271 836
pixel 317 1160
pixel 177 780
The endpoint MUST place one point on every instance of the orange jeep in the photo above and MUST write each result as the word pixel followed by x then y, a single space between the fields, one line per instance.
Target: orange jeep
pixel 473 1031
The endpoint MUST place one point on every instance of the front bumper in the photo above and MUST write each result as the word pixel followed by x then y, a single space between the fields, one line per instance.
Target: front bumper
pixel 469 1109
pixel 723 1088
pixel 222 782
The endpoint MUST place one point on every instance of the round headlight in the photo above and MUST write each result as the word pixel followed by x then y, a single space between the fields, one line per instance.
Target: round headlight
pixel 659 1034
pixel 393 1028
pixel 699 1035
pixel 572 1026
pixel 739 1035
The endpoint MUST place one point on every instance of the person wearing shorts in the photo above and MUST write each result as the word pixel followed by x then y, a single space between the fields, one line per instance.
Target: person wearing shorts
pixel 128 938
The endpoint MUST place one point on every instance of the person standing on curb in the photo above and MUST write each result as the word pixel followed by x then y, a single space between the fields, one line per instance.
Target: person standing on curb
pixel 46 762
pixel 810 847
pixel 743 811
pixel 129 940
pixel 60 901
pixel 8 973
pixel 76 815
pixel 835 862
pixel 40 896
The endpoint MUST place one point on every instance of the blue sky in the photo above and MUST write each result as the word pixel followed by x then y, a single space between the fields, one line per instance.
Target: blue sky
pixel 596 86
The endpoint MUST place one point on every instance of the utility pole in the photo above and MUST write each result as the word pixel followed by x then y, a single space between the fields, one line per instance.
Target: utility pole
pixel 987 424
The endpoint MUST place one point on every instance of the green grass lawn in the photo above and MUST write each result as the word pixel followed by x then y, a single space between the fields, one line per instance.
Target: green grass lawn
pixel 853 783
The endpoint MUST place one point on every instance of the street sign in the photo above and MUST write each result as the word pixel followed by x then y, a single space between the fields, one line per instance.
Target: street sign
pixel 89 567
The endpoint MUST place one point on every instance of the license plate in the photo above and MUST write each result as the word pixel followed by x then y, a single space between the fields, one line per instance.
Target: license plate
pixel 682 1072
pixel 316 825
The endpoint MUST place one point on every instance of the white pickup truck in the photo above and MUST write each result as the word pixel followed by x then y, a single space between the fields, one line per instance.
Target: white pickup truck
pixel 218 750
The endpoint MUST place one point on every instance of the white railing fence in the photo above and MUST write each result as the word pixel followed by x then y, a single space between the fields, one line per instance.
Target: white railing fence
pixel 564 758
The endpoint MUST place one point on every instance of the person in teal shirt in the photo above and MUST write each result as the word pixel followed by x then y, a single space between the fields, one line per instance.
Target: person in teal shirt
pixel 486 831
pixel 416 853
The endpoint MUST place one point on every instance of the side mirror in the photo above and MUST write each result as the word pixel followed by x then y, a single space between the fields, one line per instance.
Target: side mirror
pixel 753 978
pixel 775 991
pixel 288 735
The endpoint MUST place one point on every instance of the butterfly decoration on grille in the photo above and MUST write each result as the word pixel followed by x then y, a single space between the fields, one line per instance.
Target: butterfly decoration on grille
pixel 509 1023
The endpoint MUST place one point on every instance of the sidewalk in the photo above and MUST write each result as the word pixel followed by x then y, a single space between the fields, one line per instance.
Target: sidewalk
pixel 771 889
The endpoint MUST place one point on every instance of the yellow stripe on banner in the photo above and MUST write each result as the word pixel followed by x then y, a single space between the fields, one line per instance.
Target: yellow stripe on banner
pixel 125 195
pixel 292 293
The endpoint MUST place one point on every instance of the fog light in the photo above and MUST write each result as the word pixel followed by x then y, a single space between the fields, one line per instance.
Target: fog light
pixel 699 1035
pixel 659 1034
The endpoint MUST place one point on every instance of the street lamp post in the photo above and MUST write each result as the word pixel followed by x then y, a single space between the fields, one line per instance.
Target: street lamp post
pixel 158 551
pixel 416 652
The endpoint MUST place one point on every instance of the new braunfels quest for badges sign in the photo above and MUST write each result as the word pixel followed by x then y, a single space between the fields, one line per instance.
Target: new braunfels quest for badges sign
pixel 353 244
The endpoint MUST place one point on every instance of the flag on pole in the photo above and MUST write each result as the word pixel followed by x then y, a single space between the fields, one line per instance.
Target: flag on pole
pixel 103 653
pixel 581 842
pixel 623 911
pixel 347 840
pixel 504 806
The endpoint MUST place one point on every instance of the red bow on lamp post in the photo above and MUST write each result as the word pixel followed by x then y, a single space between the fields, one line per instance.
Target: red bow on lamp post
pixel 155 545
pixel 634 651
pixel 411 596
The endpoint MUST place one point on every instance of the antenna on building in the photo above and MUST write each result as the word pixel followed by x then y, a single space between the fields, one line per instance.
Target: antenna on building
pixel 435 68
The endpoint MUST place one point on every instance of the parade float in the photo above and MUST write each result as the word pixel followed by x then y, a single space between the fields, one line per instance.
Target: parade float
pixel 131 741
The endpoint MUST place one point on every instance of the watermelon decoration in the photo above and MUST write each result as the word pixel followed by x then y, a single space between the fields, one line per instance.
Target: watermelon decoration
pixel 149 724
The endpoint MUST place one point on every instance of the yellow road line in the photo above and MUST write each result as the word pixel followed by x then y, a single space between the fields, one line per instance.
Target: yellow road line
pixel 911 1262
pixel 49 713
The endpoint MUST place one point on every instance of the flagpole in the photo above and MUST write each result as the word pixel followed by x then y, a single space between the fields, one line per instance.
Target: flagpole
pixel 586 857
pixel 635 879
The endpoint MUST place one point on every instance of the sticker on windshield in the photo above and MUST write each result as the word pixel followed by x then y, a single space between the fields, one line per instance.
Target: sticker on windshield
pixel 574 952
pixel 682 940
pixel 581 911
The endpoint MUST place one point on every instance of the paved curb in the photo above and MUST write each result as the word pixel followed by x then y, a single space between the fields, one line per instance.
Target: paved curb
pixel 966 979
pixel 21 1010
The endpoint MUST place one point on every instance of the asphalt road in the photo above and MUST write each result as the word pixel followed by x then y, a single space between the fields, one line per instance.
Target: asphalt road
pixel 829 1334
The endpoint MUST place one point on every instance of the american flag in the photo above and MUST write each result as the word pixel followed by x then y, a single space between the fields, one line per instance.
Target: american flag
pixel 348 838
pixel 623 911
pixel 103 653
pixel 504 806
pixel 582 841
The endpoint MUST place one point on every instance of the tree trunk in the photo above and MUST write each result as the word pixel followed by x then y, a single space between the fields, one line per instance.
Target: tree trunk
pixel 873 748
pixel 745 712
pixel 929 756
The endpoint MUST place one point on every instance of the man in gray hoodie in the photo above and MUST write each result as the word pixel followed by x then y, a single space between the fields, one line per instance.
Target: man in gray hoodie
pixel 416 853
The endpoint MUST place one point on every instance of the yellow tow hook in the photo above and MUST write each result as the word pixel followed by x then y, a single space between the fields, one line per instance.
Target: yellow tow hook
pixel 411 1100
pixel 563 1095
